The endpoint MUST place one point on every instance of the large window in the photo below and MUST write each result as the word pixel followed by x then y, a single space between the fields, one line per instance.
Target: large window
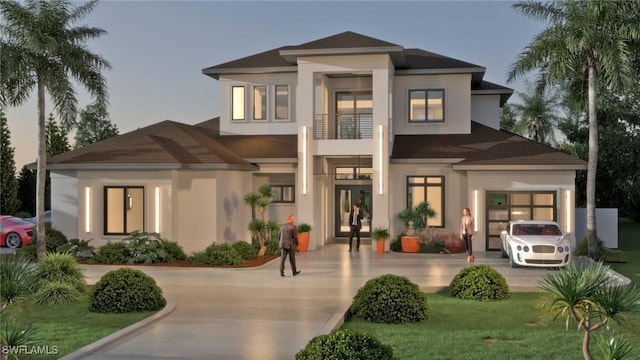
pixel 260 102
pixel 123 209
pixel 426 105
pixel 283 193
pixel 282 102
pixel 431 190
pixel 237 103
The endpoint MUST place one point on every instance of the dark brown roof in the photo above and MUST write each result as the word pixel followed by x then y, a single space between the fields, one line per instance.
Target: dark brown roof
pixel 170 144
pixel 483 147
pixel 422 59
pixel 347 39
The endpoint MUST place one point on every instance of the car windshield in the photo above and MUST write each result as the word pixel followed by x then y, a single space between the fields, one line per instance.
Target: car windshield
pixel 18 221
pixel 536 229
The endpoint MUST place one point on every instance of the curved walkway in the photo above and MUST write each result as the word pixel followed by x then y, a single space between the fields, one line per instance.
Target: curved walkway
pixel 215 313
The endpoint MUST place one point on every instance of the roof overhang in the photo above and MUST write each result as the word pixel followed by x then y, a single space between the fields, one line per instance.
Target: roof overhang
pixel 477 73
pixel 265 70
pixel 395 52
pixel 114 167
pixel 541 167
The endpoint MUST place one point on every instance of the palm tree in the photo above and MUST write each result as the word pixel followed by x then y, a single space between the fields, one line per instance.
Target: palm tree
pixel 589 298
pixel 595 38
pixel 537 114
pixel 259 201
pixel 39 49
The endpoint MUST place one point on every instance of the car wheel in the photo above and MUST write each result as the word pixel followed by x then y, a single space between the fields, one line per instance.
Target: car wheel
pixel 12 240
pixel 512 262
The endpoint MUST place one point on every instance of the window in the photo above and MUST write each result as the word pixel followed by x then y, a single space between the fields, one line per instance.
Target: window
pixel 426 105
pixel 283 193
pixel 260 102
pixel 431 190
pixel 237 103
pixel 123 209
pixel 282 102
pixel 354 173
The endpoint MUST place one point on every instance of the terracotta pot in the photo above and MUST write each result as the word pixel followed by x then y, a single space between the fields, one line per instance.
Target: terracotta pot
pixel 380 246
pixel 303 242
pixel 410 244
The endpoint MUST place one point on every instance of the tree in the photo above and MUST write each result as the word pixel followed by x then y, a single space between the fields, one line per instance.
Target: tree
pixel 57 142
pixel 588 298
pixel 94 125
pixel 508 118
pixel 595 40
pixel 41 49
pixel 259 202
pixel 9 201
pixel 537 114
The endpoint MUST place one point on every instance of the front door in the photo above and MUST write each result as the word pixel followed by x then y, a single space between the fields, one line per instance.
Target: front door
pixel 346 196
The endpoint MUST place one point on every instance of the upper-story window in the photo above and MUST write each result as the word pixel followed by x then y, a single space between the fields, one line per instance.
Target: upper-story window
pixel 426 105
pixel 260 102
pixel 282 102
pixel 237 103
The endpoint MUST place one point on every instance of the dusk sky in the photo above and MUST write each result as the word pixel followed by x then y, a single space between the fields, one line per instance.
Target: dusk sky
pixel 158 48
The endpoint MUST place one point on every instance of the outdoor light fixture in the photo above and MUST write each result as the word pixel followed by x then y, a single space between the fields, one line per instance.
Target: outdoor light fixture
pixel 380 162
pixel 157 209
pixel 304 160
pixel 129 202
pixel 475 209
pixel 568 201
pixel 87 209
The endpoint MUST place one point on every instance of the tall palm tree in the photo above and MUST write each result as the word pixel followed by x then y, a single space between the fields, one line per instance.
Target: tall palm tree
pixel 40 49
pixel 584 38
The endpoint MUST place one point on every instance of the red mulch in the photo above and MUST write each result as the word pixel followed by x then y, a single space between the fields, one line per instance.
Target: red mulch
pixel 255 262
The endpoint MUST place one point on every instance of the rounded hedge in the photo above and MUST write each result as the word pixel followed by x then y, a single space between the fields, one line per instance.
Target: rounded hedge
pixel 390 299
pixel 246 250
pixel 345 344
pixel 218 254
pixel 479 282
pixel 112 253
pixel 126 290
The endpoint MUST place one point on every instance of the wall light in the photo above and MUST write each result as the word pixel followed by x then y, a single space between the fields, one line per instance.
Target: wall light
pixel 87 209
pixel 304 160
pixel 475 209
pixel 157 209
pixel 380 154
pixel 568 206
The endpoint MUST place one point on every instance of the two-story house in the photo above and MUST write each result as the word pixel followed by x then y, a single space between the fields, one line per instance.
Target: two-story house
pixel 342 119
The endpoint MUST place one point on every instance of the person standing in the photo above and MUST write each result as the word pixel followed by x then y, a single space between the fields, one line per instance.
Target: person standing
pixel 355 224
pixel 288 236
pixel 466 232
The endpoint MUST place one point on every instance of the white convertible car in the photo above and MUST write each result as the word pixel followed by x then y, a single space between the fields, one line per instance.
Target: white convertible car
pixel 535 243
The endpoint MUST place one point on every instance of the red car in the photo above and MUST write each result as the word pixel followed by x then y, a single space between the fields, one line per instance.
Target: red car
pixel 15 231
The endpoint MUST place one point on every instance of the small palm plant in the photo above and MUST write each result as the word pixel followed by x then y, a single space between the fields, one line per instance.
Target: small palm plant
pixel 259 201
pixel 589 298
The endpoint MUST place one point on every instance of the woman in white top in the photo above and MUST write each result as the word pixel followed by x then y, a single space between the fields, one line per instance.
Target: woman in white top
pixel 466 232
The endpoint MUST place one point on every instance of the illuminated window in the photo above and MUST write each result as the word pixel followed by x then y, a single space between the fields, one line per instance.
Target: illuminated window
pixel 426 105
pixel 431 190
pixel 260 102
pixel 123 209
pixel 282 102
pixel 237 103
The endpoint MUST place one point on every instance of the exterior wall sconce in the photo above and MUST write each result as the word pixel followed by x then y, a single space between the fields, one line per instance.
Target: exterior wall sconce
pixel 475 209
pixel 304 160
pixel 380 160
pixel 157 229
pixel 87 209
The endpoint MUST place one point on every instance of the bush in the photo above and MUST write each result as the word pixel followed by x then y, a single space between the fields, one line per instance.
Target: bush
pixel 273 247
pixel 78 247
pixel 606 255
pixel 112 253
pixel 174 250
pixel 22 214
pixel 56 267
pixel 345 344
pixel 246 250
pixel 433 246
pixel 17 277
pixel 479 282
pixel 145 247
pixel 390 299
pixel 29 252
pixel 57 292
pixel 396 244
pixel 126 290
pixel 214 254
pixel 582 248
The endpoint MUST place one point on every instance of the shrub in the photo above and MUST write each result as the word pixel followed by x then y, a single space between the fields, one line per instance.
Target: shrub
pixel 56 292
pixel 396 244
pixel 390 299
pixel 582 248
pixel 22 214
pixel 479 282
pixel 606 255
pixel 17 333
pixel 345 344
pixel 112 253
pixel 29 252
pixel 214 254
pixel 273 247
pixel 433 246
pixel 78 247
pixel 56 267
pixel 145 247
pixel 245 249
pixel 174 250
pixel 16 277
pixel 126 290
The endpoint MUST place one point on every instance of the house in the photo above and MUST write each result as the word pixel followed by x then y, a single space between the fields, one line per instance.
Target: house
pixel 343 119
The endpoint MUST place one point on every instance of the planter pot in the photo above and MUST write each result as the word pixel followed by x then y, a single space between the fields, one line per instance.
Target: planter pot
pixel 303 241
pixel 410 244
pixel 380 246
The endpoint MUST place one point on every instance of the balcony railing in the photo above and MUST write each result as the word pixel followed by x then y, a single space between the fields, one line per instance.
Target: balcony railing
pixel 343 126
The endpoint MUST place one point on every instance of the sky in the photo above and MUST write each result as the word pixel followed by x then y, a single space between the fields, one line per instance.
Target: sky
pixel 157 49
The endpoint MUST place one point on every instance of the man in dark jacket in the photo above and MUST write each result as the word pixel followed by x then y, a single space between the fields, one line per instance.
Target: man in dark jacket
pixel 288 245
pixel 355 224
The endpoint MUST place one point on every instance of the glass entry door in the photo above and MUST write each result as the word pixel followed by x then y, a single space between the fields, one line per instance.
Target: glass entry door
pixel 346 196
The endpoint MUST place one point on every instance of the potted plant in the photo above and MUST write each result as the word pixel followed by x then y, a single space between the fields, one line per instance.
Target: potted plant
pixel 303 236
pixel 380 235
pixel 416 219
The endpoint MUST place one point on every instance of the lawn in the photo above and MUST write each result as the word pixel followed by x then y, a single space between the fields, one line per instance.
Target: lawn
pixel 517 328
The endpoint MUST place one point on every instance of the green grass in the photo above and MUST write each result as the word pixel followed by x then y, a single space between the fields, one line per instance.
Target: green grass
pixel 629 242
pixel 69 327
pixel 464 329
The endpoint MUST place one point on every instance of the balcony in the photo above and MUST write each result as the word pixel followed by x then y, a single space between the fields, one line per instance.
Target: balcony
pixel 343 126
